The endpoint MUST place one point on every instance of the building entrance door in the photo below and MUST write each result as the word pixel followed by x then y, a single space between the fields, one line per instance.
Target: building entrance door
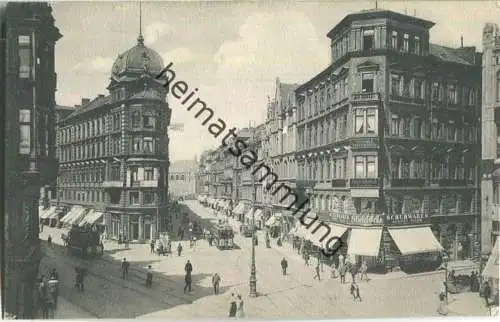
pixel 134 230
pixel 147 231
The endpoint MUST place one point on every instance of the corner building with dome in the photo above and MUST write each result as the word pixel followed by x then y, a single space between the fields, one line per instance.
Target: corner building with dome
pixel 113 153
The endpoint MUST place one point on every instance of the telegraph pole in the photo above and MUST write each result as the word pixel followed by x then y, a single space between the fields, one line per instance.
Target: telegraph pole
pixel 253 270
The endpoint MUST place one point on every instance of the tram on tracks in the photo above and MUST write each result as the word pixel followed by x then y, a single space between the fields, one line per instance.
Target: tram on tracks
pixel 84 242
pixel 224 237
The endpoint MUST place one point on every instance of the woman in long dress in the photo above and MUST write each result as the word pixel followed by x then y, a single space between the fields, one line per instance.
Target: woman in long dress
pixel 240 313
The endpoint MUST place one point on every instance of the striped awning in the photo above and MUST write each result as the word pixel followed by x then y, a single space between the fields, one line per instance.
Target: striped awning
pixel 47 213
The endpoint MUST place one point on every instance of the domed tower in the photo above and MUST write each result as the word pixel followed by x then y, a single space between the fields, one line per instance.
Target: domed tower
pixel 140 96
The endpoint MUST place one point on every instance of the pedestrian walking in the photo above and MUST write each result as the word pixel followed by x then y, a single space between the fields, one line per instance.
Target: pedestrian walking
pixel 125 242
pixel 342 272
pixel 42 294
pixel 442 308
pixel 355 292
pixel 179 249
pixel 316 273
pixel 216 282
pixel 284 265
pixel 125 266
pixel 306 258
pixel 240 310
pixel 188 268
pixel 354 271
pixel 232 306
pixel 486 293
pixel 49 241
pixel 149 277
pixel 363 271
pixel 152 246
pixel 333 271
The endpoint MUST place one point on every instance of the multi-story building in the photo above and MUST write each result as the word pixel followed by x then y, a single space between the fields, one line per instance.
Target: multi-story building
pixel 490 185
pixel 28 78
pixel 281 125
pixel 113 150
pixel 182 178
pixel 388 140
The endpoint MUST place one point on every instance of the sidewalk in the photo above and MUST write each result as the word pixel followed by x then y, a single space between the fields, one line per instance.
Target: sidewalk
pixel 67 310
pixel 467 304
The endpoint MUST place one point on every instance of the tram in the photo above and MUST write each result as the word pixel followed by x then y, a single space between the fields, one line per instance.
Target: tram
pixel 224 237
pixel 84 242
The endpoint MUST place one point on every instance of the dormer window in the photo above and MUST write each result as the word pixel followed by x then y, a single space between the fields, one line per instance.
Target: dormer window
pixel 368 39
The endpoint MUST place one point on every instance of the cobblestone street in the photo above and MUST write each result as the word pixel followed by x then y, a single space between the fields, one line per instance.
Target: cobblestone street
pixel 295 295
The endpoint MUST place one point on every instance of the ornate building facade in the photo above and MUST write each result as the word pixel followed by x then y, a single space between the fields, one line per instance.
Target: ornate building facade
pixel 387 144
pixel 281 125
pixel 28 78
pixel 490 185
pixel 113 150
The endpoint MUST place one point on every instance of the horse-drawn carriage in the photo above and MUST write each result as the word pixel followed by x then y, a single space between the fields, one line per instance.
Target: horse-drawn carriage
pixel 84 242
pixel 163 245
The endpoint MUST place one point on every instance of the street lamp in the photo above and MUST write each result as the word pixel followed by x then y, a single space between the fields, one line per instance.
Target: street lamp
pixel 253 270
pixel 445 263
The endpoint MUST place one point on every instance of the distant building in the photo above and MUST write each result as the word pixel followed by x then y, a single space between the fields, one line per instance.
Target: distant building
pixel 113 151
pixel 182 178
pixel 490 185
pixel 27 109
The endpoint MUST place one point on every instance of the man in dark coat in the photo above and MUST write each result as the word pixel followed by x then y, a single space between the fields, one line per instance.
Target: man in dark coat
pixel 284 265
pixel 232 306
pixel 125 266
pixel 188 268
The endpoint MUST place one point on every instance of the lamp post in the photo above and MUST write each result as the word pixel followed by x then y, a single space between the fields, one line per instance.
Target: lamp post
pixel 445 262
pixel 253 270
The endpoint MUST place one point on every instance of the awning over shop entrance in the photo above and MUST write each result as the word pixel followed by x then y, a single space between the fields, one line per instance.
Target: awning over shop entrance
pixel 273 220
pixel 335 231
pixel 240 208
pixel 492 267
pixel 364 241
pixel 70 214
pixel 249 213
pixel 91 217
pixel 258 214
pixel 414 240
pixel 47 213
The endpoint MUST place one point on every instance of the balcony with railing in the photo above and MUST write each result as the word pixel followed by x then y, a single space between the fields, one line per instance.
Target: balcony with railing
pixel 408 182
pixel 339 183
pixel 448 182
pixel 365 97
pixel 364 182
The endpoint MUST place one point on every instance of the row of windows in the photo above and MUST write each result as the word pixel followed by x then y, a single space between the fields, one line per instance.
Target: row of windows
pixel 403 168
pixel 135 197
pixel 322 99
pixel 140 119
pixel 98 174
pixel 417 128
pixel 399 41
pixel 97 149
pixel 329 129
pixel 318 170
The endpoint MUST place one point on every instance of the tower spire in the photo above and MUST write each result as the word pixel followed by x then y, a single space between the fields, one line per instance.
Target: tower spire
pixel 140 39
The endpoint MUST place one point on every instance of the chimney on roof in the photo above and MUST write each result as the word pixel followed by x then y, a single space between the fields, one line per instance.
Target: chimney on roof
pixel 461 41
pixel 85 101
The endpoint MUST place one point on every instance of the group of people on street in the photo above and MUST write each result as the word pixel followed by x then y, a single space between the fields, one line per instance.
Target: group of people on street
pixel 47 294
pixel 236 306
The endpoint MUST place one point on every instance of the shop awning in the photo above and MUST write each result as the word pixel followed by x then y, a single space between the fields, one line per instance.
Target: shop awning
pixel 414 240
pixel 240 208
pixel 258 214
pixel 249 213
pixel 47 213
pixel 273 220
pixel 335 231
pixel 79 216
pixel 364 241
pixel 84 219
pixel 54 214
pixel 491 269
pixel 70 214
pixel 96 216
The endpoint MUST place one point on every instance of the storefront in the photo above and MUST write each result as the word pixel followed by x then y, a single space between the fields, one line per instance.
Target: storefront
pixel 136 227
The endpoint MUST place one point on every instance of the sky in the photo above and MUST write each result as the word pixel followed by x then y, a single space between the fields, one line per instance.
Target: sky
pixel 232 51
